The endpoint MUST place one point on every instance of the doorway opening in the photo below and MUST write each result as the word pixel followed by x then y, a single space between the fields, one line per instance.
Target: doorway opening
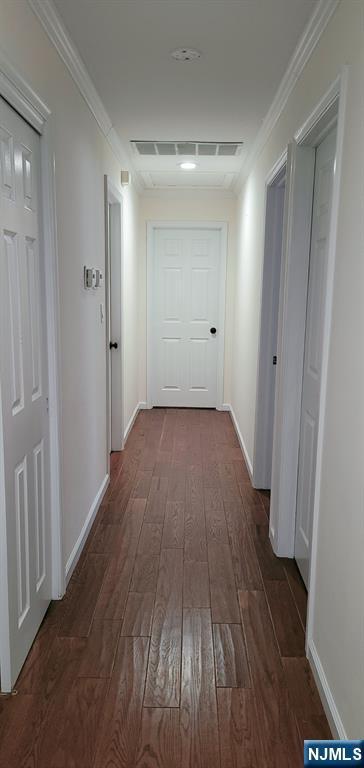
pixel 306 289
pixel 263 443
pixel 114 318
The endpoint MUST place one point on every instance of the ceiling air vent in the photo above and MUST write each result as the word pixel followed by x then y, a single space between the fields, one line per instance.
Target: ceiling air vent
pixel 146 148
pixel 188 148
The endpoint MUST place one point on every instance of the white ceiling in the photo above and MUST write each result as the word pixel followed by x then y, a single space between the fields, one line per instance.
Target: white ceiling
pixel 246 46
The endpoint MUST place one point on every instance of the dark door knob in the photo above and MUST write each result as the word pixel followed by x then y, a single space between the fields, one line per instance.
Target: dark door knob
pixel 113 345
pixel 213 331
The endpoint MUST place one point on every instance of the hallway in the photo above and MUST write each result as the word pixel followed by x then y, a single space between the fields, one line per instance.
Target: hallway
pixel 181 634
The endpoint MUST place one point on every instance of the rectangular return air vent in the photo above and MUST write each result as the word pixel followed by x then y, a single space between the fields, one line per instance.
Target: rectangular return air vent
pixel 188 148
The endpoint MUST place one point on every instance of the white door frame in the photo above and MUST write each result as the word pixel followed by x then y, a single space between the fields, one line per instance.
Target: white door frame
pixel 262 464
pixel 219 226
pixel 19 95
pixel 113 197
pixel 329 111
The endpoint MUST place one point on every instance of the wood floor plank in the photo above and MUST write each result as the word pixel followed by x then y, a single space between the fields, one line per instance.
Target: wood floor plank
pixel 160 741
pixel 195 524
pixel 138 615
pixel 114 592
pixel 253 504
pixel 18 720
pixel 100 649
pixel 264 660
pixel 56 680
pixel 131 528
pixel 199 722
pixel 157 500
pixel 231 662
pixel 239 731
pixel 297 587
pixel 213 498
pixel 224 604
pixel 78 619
pixel 113 511
pixel 174 525
pixel 216 528
pixel 107 539
pixel 244 557
pixel 227 472
pixel 196 587
pixel 281 745
pixel 30 679
pixel 120 723
pixel 162 467
pixel 230 492
pixel 195 534
pixel 177 484
pixel 271 566
pixel 112 599
pixel 286 621
pixel 163 677
pixel 211 476
pixel 310 716
pixel 145 573
pixel 255 512
pixel 148 458
pixel 150 539
pixel 71 733
pixel 142 484
pixel 241 472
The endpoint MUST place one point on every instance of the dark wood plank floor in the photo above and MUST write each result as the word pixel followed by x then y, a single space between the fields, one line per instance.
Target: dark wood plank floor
pixel 180 640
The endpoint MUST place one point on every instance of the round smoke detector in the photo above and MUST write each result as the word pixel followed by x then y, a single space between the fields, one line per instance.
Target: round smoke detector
pixel 185 54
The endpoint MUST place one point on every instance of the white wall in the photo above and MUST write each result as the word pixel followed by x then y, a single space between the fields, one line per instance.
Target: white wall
pixel 338 620
pixel 188 205
pixel 82 157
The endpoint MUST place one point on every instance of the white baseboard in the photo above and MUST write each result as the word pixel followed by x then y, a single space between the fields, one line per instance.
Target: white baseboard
pixel 228 407
pixel 328 701
pixel 130 423
pixel 80 543
pixel 225 407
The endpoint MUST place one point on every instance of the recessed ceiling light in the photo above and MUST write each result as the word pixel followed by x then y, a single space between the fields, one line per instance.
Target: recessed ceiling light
pixel 188 165
pixel 186 54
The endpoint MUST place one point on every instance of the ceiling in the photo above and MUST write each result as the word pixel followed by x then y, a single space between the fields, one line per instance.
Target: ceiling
pixel 223 96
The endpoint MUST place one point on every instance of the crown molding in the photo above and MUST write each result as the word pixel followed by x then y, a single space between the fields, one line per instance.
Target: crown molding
pixel 60 38
pixel 21 96
pixel 308 42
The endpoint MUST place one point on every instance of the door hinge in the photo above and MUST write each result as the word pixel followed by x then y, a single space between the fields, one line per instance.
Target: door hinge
pixel 274 359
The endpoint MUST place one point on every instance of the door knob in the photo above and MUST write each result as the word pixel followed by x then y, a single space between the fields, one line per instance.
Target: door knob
pixel 113 345
pixel 213 331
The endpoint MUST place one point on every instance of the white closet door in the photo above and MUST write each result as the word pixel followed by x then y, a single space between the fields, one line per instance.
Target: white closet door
pixel 324 174
pixel 185 317
pixel 24 458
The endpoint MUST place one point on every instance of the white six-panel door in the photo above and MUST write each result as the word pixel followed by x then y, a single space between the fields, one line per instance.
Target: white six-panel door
pixel 324 173
pixel 184 311
pixel 23 369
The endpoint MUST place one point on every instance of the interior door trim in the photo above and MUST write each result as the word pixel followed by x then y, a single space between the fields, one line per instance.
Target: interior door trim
pixel 29 105
pixel 219 226
pixel 332 106
pixel 112 196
